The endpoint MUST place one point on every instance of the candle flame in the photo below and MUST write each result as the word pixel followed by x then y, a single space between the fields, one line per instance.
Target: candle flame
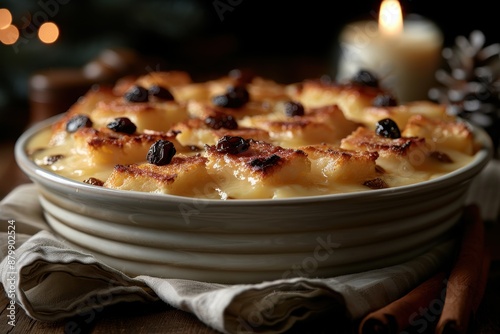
pixel 390 19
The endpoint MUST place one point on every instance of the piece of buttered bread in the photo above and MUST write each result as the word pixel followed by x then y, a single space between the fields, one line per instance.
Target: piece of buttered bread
pixel 335 167
pixel 441 134
pixel 183 176
pixel 255 169
pixel 315 125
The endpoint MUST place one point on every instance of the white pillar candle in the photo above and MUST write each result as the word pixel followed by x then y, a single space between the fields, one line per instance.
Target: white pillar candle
pixel 404 57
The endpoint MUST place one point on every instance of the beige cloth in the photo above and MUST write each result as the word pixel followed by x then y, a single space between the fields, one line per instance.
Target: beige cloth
pixel 54 282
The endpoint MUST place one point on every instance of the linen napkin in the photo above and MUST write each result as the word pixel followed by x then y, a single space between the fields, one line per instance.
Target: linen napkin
pixel 51 281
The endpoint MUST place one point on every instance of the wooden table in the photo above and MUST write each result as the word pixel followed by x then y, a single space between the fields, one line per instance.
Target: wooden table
pixel 161 318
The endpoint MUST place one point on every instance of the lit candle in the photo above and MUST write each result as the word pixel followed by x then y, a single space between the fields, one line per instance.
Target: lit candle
pixel 403 54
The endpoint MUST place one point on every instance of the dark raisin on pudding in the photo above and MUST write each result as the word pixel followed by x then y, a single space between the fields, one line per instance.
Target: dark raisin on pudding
pixel 365 78
pixel 294 109
pixel 136 94
pixel 94 181
pixel 384 100
pixel 51 159
pixel 161 152
pixel 387 128
pixel 263 163
pixel 78 121
pixel 221 120
pixel 123 125
pixel 376 183
pixel 235 97
pixel 160 93
pixel 232 145
pixel 239 92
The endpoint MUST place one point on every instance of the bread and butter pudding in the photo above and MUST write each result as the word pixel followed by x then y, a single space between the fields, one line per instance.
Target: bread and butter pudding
pixel 248 137
pixel 241 179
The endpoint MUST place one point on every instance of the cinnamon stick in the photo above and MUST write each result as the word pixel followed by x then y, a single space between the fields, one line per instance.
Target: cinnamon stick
pixel 396 316
pixel 483 281
pixel 464 277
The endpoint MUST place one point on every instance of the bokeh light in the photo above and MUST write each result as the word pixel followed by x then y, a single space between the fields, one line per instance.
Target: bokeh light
pixel 48 32
pixel 9 35
pixel 5 18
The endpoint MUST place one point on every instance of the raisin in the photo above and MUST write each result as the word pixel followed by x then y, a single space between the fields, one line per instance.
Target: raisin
pixel 294 109
pixel 136 94
pixel 221 100
pixel 161 152
pixel 221 121
pixel 263 163
pixel 239 92
pixel 51 159
pixel 232 145
pixel 388 128
pixel 384 100
pixel 93 181
pixel 365 78
pixel 160 93
pixel 235 97
pixel 77 122
pixel 376 183
pixel 122 124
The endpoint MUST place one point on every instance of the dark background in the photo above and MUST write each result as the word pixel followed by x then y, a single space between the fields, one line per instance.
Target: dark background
pixel 284 40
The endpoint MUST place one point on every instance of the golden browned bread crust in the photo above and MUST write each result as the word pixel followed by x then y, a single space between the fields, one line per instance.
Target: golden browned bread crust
pixel 351 98
pixel 183 176
pixel 364 139
pixel 195 132
pixel 332 164
pixel 441 134
pixel 106 147
pixel 320 124
pixel 258 172
pixel 402 113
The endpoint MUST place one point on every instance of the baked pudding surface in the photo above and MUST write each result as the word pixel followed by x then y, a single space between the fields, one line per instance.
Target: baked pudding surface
pixel 250 138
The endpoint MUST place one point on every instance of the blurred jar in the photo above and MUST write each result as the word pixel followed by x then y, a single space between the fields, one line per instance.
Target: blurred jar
pixel 53 91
